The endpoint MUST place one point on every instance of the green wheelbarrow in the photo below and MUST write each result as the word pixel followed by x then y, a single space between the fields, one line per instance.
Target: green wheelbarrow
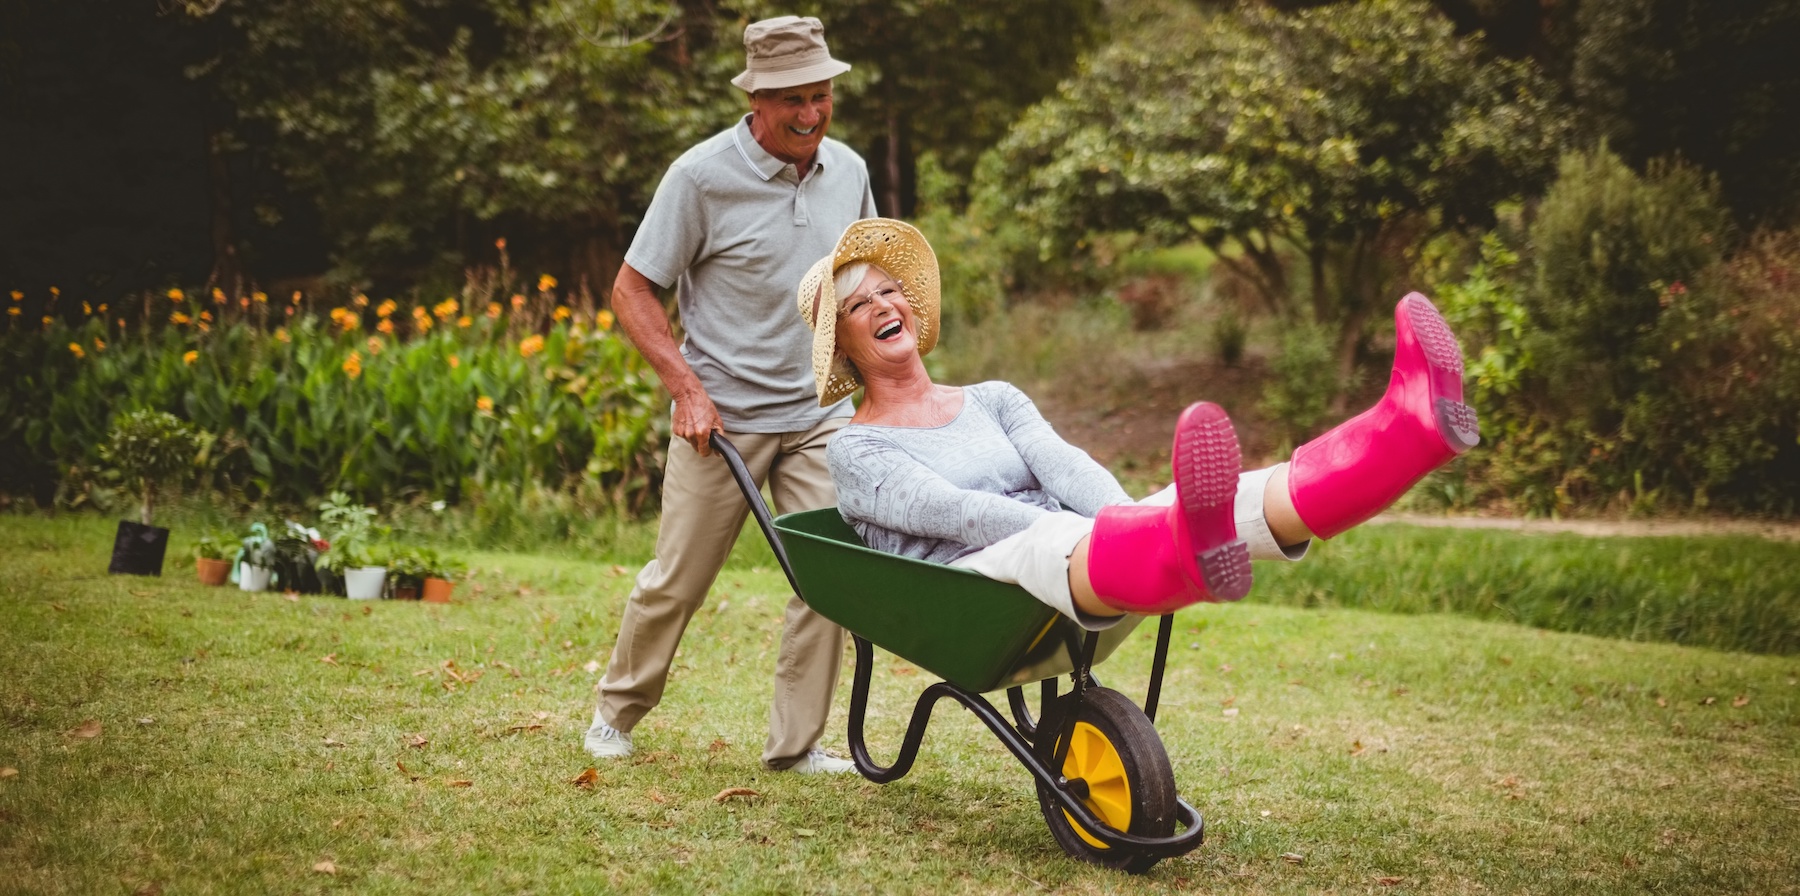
pixel 1104 784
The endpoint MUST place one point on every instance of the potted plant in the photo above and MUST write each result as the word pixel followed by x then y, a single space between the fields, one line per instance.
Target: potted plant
pixel 297 553
pixel 407 569
pixel 440 579
pixel 212 559
pixel 148 450
pixel 352 554
pixel 256 559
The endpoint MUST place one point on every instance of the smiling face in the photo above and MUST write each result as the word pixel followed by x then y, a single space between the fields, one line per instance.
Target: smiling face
pixel 875 325
pixel 790 122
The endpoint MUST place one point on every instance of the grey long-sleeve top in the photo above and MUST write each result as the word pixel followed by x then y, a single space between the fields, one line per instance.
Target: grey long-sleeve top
pixel 937 494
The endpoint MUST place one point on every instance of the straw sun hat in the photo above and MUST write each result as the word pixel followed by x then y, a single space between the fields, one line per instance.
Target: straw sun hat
pixel 893 246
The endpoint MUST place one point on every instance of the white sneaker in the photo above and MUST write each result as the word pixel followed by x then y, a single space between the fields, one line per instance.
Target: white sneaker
pixel 606 742
pixel 817 761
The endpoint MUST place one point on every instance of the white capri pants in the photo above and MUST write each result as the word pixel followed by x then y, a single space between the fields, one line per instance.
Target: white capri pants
pixel 1037 559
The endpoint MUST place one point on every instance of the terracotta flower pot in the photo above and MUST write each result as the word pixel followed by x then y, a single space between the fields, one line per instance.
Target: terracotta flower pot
pixel 437 591
pixel 212 572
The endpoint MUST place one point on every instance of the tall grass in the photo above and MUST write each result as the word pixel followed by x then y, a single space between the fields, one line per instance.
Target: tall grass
pixel 1718 592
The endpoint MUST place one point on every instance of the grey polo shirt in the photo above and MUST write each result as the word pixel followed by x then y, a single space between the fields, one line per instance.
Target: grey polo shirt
pixel 734 229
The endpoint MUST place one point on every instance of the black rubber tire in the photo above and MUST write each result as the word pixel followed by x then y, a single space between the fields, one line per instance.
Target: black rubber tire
pixel 1149 781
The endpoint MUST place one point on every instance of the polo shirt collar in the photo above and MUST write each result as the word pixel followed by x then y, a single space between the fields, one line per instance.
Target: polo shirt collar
pixel 766 166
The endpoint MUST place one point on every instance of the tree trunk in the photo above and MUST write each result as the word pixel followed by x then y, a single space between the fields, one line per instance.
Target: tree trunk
pixel 891 195
pixel 225 271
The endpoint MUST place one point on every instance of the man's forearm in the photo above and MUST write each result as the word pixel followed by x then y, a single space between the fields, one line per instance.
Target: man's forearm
pixel 643 319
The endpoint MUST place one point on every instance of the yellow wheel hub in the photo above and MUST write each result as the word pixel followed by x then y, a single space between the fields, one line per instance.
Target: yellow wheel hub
pixel 1093 759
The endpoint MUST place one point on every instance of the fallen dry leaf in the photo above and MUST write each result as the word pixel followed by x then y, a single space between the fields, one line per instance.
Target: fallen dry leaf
pixel 1357 748
pixel 1662 701
pixel 619 570
pixel 587 778
pixel 59 608
pixel 150 889
pixel 459 782
pixel 1390 881
pixel 1740 701
pixel 417 741
pixel 1229 712
pixel 730 792
pixel 329 659
pixel 8 772
pixel 1709 701
pixel 88 729
pixel 403 770
pixel 1293 858
pixel 367 609
pixel 527 726
pixel 905 670
pixel 295 597
pixel 717 745
pixel 325 867
pixel 334 742
pixel 656 796
pixel 591 667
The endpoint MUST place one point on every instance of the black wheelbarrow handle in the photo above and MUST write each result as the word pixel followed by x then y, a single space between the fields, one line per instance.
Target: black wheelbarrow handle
pixel 758 507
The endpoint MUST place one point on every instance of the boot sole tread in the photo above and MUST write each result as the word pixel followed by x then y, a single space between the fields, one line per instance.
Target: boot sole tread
pixel 1208 461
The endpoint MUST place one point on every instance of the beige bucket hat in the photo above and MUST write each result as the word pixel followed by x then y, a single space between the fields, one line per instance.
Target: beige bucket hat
pixel 786 51
pixel 897 248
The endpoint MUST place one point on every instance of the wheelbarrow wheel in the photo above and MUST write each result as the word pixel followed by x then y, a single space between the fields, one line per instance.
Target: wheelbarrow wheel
pixel 1116 753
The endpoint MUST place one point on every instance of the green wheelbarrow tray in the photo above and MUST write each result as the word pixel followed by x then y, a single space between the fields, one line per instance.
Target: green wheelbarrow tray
pixel 954 623
pixel 980 635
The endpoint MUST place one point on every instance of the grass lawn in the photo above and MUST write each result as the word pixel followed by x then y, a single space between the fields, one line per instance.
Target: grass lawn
pixel 158 736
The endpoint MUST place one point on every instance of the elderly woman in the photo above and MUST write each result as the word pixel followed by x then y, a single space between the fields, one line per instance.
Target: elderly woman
pixel 972 476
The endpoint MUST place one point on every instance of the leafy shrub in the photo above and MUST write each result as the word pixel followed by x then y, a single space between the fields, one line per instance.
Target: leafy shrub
pixel 1303 380
pixel 150 450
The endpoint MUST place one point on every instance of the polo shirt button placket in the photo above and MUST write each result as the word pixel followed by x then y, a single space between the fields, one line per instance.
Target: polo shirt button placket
pixel 801 218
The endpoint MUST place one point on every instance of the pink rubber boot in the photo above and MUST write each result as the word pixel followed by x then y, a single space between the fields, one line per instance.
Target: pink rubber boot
pixel 1154 560
pixel 1367 462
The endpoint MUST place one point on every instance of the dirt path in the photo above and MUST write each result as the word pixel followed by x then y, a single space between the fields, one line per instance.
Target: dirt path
pixel 1774 531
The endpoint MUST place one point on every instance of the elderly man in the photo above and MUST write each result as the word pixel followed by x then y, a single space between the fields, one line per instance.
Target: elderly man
pixel 733 227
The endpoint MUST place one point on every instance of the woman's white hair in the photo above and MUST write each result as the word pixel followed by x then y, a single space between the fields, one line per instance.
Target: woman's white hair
pixel 848 278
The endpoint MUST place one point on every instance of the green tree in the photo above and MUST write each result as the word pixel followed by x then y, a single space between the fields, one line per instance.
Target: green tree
pixel 422 130
pixel 1717 84
pixel 1340 133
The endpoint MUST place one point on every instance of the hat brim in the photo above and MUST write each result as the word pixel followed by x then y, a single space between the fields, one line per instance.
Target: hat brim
pixel 897 248
pixel 824 70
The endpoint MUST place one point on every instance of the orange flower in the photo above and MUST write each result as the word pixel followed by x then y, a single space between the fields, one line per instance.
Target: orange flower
pixel 374 345
pixel 531 345
pixel 281 334
pixel 204 327
pixel 518 301
pixel 560 314
pixel 493 310
pixel 189 358
pixel 54 292
pixel 454 361
pixel 99 344
pixel 175 295
pixel 445 309
pixel 386 308
pixel 244 302
pixel 179 319
pixel 464 321
pixel 361 300
pixel 546 283
pixel 13 311
pixel 500 244
pixel 603 319
pixel 295 298
pixel 386 326
pixel 206 315
pixel 218 296
pixel 102 308
pixel 353 364
pixel 75 349
pixel 484 404
pixel 86 308
pixel 18 296
pixel 262 298
pixel 47 320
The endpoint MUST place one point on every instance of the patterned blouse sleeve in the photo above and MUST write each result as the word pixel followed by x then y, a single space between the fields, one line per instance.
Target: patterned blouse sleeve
pixel 1069 474
pixel 880 484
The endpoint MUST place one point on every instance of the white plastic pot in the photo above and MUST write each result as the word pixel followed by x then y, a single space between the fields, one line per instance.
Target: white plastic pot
pixel 253 578
pixel 364 582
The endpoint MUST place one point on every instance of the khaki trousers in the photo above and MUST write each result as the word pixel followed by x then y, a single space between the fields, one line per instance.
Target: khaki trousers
pixel 702 513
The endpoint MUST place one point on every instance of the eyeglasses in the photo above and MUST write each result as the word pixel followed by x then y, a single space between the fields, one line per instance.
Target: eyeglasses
pixel 889 291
